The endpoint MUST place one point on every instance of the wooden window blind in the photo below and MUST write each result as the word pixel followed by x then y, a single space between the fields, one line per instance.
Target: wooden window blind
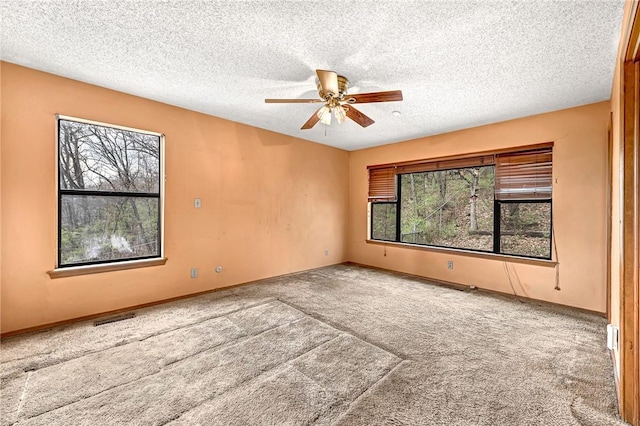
pixel 524 175
pixel 382 179
pixel 382 184
pixel 447 164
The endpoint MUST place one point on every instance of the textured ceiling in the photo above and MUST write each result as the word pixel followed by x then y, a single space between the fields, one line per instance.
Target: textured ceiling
pixel 459 64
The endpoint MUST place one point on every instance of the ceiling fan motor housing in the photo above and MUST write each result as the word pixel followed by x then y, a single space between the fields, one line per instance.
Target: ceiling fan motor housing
pixel 343 85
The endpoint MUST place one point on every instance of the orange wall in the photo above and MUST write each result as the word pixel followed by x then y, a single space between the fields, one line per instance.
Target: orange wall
pixel 579 212
pixel 271 204
pixel 617 162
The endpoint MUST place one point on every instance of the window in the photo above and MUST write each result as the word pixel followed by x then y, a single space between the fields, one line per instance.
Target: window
pixel 498 203
pixel 109 193
pixel 384 221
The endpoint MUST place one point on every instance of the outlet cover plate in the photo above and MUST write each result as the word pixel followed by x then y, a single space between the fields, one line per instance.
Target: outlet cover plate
pixel 612 337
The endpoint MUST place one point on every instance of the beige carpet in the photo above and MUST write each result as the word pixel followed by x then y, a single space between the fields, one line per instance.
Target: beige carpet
pixel 341 345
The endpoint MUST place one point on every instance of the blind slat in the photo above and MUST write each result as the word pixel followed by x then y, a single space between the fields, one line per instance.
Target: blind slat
pixel 525 175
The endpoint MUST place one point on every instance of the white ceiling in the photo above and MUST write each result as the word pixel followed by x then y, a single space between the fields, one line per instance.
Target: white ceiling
pixel 459 63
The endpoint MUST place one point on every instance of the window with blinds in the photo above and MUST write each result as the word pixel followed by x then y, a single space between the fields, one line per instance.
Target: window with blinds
pixel 382 179
pixel 382 184
pixel 497 202
pixel 524 175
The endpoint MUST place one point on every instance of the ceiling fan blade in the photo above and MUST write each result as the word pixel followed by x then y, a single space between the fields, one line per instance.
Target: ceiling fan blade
pixel 311 121
pixel 328 81
pixel 292 101
pixel 361 98
pixel 358 117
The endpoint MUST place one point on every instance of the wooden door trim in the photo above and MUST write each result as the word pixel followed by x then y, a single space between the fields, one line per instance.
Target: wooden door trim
pixel 629 282
pixel 631 38
pixel 634 55
pixel 636 297
pixel 629 390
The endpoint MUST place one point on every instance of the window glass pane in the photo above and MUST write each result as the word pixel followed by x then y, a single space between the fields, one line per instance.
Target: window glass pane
pixel 383 216
pixel 448 208
pixel 525 229
pixel 99 158
pixel 108 228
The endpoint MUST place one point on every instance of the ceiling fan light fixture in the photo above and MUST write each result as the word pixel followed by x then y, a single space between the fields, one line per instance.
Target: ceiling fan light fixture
pixel 324 114
pixel 340 113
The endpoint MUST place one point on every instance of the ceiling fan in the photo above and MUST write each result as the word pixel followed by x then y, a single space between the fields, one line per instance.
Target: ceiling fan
pixel 332 89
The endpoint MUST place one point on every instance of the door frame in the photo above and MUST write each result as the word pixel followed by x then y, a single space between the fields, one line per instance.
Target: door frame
pixel 630 268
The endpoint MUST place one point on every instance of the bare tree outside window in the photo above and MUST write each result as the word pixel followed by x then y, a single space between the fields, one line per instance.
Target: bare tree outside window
pixel 109 194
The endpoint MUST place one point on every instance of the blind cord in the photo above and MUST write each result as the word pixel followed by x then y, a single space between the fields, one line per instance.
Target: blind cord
pixel 506 270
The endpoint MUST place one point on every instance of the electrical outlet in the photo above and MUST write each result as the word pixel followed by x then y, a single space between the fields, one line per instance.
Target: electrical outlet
pixel 194 272
pixel 613 337
pixel 450 264
pixel 197 203
pixel 326 252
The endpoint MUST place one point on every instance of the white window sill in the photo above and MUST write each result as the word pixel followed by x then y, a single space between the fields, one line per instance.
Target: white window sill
pixel 470 253
pixel 106 267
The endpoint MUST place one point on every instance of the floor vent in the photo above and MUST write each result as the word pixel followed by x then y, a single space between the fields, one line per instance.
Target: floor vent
pixel 114 318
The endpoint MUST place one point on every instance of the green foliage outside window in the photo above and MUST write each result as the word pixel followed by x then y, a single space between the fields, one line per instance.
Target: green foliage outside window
pixel 450 208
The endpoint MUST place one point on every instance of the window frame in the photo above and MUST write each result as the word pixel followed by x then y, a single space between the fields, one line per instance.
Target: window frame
pixel 395 203
pixel 399 218
pixel 112 264
pixel 497 215
pixel 496 205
